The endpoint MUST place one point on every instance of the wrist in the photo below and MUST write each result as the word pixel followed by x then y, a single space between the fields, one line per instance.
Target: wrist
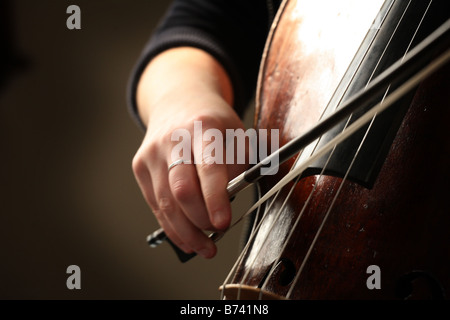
pixel 181 73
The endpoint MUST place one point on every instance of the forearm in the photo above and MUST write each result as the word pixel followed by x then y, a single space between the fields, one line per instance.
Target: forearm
pixel 177 88
pixel 180 73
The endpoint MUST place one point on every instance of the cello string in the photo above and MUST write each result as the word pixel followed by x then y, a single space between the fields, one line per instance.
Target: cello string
pixel 383 17
pixel 271 226
pixel 327 214
pixel 282 7
pixel 312 191
pixel 305 260
pixel 297 220
pixel 350 166
pixel 284 204
pixel 378 108
pixel 253 232
pixel 240 257
pixel 417 29
pixel 277 216
pixel 342 183
pixel 256 227
pixel 388 43
pixel 389 100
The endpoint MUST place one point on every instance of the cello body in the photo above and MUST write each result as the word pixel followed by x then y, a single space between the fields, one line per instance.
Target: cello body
pixel 371 220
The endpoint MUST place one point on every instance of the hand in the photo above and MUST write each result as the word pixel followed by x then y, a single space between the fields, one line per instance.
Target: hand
pixel 190 198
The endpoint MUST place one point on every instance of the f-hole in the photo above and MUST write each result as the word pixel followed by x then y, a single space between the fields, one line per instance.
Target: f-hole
pixel 284 271
pixel 419 285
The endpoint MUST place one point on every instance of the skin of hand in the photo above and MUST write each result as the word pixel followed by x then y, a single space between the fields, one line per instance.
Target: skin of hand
pixel 178 87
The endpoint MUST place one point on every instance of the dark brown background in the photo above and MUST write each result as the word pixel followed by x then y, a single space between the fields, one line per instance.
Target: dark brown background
pixel 68 195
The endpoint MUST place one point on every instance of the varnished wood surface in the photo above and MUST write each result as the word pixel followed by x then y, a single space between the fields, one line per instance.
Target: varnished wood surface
pixel 399 225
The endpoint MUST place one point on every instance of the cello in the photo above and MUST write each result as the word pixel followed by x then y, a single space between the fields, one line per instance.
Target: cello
pixel 367 219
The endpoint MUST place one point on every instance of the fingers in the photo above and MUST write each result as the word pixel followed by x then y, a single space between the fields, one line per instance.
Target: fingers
pixel 185 188
pixel 214 179
pixel 143 178
pixel 168 210
pixel 187 199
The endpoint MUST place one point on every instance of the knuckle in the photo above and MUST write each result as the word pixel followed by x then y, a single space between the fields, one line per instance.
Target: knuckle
pixel 206 120
pixel 166 206
pixel 158 214
pixel 207 167
pixel 149 198
pixel 182 190
pixel 138 164
pixel 210 196
pixel 150 150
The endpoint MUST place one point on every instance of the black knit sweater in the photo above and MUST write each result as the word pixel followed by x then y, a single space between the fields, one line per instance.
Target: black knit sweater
pixel 233 31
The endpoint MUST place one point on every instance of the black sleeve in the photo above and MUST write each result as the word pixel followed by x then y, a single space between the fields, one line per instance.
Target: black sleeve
pixel 233 31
